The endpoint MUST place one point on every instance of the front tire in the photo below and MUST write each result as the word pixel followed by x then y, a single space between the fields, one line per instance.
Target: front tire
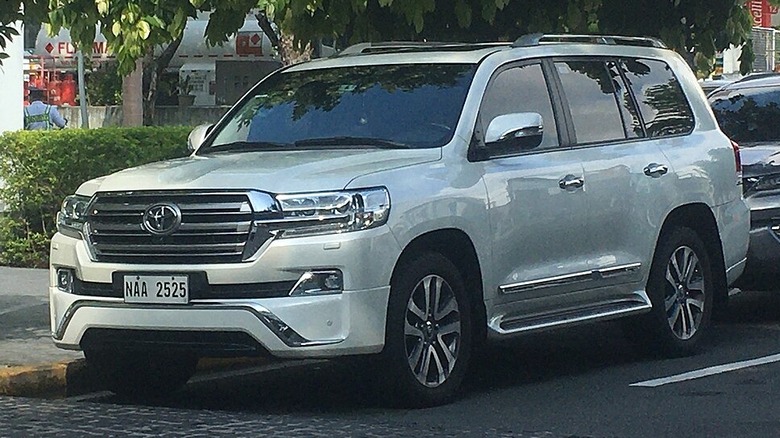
pixel 141 374
pixel 681 289
pixel 428 337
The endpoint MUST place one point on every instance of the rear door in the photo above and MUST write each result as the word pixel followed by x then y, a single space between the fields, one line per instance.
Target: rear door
pixel 629 180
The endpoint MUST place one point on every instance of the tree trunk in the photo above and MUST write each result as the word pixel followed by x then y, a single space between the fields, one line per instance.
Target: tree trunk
pixel 132 96
pixel 154 69
pixel 268 30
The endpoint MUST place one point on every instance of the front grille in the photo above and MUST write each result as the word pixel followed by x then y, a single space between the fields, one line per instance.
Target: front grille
pixel 215 228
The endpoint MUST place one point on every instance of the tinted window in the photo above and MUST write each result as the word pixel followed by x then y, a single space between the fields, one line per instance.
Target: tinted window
pixel 518 90
pixel 748 115
pixel 661 100
pixel 590 93
pixel 414 106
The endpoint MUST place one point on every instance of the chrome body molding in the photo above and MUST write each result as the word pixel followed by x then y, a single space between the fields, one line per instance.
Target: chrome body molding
pixel 577 277
pixel 519 323
pixel 286 334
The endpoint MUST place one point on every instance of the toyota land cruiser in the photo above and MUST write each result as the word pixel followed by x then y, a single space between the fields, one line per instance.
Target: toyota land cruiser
pixel 409 201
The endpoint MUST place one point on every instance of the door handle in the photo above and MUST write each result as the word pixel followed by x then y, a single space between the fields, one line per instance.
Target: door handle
pixel 571 182
pixel 655 170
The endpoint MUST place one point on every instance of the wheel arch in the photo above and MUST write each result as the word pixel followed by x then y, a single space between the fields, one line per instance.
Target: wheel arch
pixel 457 246
pixel 699 218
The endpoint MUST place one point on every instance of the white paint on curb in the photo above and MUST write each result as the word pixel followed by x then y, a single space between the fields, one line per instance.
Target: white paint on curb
pixel 710 371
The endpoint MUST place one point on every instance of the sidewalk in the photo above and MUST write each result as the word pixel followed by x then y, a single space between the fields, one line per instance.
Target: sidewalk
pixel 30 364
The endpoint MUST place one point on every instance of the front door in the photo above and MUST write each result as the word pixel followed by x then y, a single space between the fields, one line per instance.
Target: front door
pixel 538 207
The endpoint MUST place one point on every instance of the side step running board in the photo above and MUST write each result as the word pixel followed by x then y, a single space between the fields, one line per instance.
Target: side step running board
pixel 509 324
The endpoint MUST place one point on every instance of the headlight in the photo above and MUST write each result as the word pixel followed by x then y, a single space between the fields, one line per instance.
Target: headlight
pixel 333 212
pixel 72 216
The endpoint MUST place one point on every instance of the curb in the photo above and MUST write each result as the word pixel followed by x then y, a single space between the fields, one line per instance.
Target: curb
pixel 70 378
pixel 59 379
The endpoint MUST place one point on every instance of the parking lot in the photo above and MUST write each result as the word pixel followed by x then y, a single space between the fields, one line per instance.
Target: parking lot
pixel 584 381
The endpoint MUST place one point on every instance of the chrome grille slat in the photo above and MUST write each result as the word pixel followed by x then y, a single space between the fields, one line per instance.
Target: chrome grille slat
pixel 164 248
pixel 215 227
pixel 234 206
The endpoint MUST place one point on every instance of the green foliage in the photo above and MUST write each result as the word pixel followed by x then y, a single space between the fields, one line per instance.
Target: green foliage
pixel 40 168
pixel 133 27
pixel 104 85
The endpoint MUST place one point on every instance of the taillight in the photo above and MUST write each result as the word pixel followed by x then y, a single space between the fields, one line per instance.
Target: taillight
pixel 737 160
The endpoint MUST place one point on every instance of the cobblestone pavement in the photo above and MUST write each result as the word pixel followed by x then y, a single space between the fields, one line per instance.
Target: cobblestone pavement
pixel 21 417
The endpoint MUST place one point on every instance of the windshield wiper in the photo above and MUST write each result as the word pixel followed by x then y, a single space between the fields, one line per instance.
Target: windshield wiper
pixel 246 146
pixel 349 141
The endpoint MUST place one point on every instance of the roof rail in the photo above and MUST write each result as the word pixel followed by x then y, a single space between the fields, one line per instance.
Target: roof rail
pixel 401 46
pixel 535 39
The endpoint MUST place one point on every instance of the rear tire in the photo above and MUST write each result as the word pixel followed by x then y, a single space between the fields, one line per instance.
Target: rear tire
pixel 428 336
pixel 681 289
pixel 141 374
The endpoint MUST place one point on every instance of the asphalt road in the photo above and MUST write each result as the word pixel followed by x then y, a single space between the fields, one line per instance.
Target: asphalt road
pixel 572 383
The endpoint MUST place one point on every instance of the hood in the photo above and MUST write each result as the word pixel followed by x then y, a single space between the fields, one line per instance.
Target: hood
pixel 760 158
pixel 274 171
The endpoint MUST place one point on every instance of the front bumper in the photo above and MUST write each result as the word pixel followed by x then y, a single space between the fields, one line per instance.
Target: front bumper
pixel 346 323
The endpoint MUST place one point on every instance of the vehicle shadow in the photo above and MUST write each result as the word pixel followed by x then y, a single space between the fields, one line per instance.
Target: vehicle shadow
pixel 338 387
pixel 753 307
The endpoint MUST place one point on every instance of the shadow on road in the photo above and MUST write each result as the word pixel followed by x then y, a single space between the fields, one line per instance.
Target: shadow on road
pixel 333 387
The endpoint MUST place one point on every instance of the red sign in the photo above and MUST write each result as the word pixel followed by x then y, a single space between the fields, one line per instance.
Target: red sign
pixel 761 12
pixel 249 43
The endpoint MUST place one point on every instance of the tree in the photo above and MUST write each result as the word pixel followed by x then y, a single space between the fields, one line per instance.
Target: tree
pixel 696 28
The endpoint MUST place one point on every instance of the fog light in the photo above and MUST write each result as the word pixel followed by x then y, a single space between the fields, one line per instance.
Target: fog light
pixel 319 283
pixel 65 280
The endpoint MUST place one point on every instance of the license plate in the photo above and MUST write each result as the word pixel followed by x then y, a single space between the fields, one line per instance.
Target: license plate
pixel 156 289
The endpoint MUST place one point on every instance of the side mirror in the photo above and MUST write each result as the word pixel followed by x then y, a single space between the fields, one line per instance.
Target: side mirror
pixel 196 137
pixel 517 130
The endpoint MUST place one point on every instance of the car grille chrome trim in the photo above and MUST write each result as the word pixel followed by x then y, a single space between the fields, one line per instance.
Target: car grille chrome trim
pixel 216 227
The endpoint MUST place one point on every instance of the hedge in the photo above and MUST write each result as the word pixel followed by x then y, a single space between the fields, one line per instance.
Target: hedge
pixel 40 168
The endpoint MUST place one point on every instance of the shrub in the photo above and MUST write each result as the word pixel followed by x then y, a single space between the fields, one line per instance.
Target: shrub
pixel 40 168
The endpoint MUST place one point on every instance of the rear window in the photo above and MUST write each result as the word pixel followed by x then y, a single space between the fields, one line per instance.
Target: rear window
pixel 660 98
pixel 749 115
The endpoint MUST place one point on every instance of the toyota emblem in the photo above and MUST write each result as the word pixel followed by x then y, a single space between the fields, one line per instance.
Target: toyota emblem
pixel 162 219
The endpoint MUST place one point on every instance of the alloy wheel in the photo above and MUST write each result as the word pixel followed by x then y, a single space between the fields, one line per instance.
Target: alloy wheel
pixel 684 293
pixel 432 331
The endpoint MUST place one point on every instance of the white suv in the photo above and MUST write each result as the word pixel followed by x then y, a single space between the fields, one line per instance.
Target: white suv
pixel 410 201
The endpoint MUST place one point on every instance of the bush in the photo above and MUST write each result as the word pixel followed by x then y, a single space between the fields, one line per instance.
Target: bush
pixel 40 168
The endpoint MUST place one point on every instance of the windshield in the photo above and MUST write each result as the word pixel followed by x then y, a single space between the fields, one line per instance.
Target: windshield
pixel 748 115
pixel 376 106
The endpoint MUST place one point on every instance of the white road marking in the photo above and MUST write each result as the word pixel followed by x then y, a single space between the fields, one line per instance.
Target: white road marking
pixel 704 372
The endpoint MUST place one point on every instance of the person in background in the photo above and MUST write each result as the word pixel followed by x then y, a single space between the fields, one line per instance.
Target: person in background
pixel 39 115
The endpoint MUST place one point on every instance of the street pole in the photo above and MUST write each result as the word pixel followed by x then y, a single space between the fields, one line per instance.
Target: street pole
pixel 82 91
pixel 12 80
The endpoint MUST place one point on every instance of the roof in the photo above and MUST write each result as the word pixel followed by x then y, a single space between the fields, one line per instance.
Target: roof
pixel 757 80
pixel 426 52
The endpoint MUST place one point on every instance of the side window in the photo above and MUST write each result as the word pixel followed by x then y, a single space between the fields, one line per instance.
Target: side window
pixel 518 90
pixel 661 100
pixel 590 93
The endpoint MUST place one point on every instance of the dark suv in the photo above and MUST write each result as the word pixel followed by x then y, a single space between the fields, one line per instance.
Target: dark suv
pixel 749 113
